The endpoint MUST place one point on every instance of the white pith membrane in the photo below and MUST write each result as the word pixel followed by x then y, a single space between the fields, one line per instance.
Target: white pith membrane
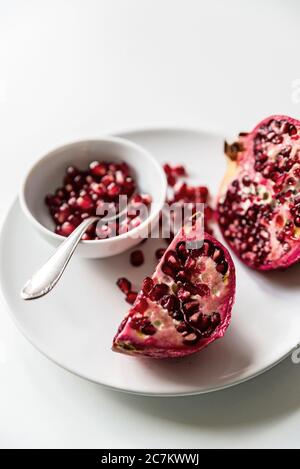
pixel 259 211
pixel 151 329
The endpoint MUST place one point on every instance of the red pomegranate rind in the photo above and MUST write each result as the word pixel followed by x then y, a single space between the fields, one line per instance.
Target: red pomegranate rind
pixel 259 202
pixel 186 304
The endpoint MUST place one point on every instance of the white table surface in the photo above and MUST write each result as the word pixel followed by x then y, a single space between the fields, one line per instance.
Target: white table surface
pixel 74 69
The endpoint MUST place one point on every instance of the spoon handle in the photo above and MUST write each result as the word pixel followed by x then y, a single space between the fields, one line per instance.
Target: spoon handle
pixel 45 279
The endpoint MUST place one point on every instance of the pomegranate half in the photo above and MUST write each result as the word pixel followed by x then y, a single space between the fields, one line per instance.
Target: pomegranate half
pixel 259 201
pixel 186 304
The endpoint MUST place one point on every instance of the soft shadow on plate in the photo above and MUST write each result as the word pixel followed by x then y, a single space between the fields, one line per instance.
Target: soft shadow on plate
pixel 189 369
pixel 235 348
pixel 288 278
pixel 267 398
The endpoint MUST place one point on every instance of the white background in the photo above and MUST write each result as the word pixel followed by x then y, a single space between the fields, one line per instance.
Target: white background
pixel 74 69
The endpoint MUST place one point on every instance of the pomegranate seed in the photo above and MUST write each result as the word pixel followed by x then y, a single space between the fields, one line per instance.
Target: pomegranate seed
pixel 159 253
pixel 181 250
pixel 170 302
pixel 131 297
pixel 98 188
pixel 296 172
pixel 183 294
pixel 103 232
pixel 148 329
pixel 67 228
pixel 158 291
pixel 180 191
pixel 75 220
pixel 291 181
pixel 297 221
pixel 113 190
pixel 147 285
pixel 58 230
pixel 51 200
pixel 136 200
pixel 141 305
pixel 85 202
pixel 137 258
pixel 203 289
pixel 135 222
pixel 190 263
pixel 143 325
pixel 137 322
pixel 63 213
pixel 120 178
pixel 215 319
pixel 168 270
pixel 146 199
pixel 218 255
pixel 167 169
pixel 86 237
pixel 292 130
pixel 171 180
pixel 60 193
pixel 179 170
pixel 69 187
pixel 172 260
pixel 78 181
pixel 201 193
pixel 124 284
pixel 182 276
pixel 222 267
pixel 246 180
pixel 192 338
pixel 191 307
pixel 98 169
pixel 72 202
pixel 207 249
pixel 72 171
pixel 128 187
pixel 107 180
pixel 182 328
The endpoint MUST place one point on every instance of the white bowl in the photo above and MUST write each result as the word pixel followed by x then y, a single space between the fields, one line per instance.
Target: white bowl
pixel 48 172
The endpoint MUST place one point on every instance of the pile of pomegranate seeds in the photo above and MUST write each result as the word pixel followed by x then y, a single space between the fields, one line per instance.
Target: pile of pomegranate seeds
pixel 84 191
pixel 182 193
pixel 173 173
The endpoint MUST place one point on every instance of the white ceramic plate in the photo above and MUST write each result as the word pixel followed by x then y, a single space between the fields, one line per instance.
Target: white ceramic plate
pixel 75 324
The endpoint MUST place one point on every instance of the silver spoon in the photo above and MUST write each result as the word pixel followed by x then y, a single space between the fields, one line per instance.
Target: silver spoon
pixel 45 279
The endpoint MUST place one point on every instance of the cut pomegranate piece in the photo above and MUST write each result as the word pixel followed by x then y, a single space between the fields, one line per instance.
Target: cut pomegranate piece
pixel 259 205
pixel 173 318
